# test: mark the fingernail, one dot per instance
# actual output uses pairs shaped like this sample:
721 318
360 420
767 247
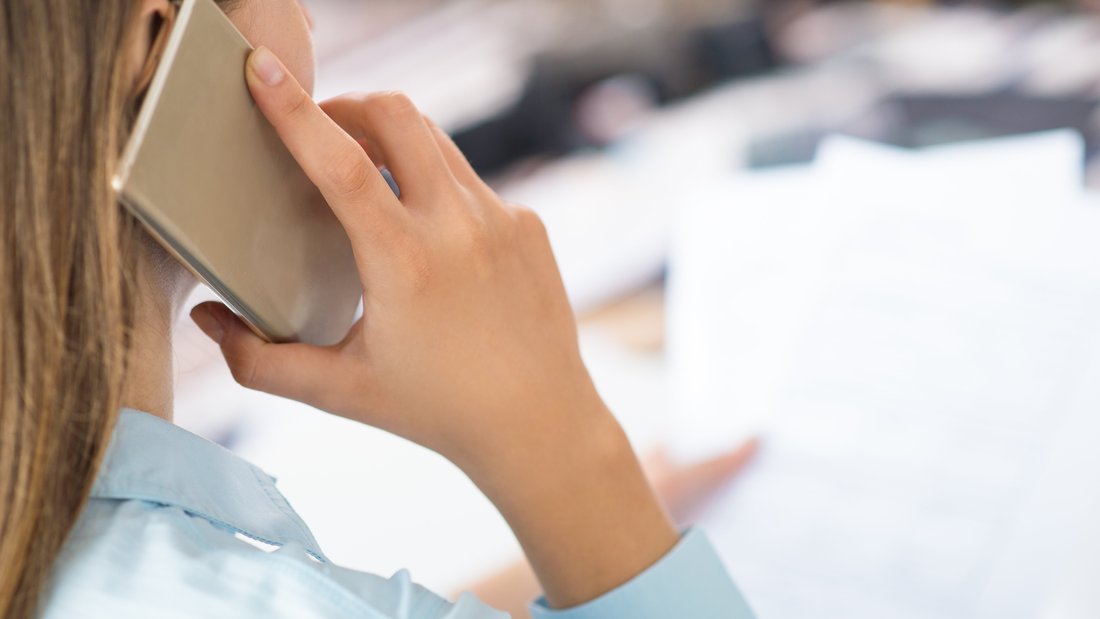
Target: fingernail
209 324
267 66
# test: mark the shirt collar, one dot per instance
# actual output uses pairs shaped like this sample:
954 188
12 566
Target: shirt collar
150 459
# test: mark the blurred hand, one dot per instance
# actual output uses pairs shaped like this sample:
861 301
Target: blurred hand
686 489
468 345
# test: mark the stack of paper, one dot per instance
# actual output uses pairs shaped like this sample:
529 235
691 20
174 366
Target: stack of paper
916 338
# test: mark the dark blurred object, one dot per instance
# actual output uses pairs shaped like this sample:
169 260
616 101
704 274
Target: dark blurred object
737 49
915 121
932 120
672 65
576 87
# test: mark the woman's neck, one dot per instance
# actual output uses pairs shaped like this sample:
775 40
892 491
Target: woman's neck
163 289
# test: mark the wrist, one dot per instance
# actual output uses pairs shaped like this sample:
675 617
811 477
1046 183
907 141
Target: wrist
526 436
547 459
579 504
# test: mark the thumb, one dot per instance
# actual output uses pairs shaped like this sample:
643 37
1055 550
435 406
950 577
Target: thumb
297 371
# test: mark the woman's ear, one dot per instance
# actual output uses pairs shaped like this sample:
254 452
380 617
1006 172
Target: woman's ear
153 18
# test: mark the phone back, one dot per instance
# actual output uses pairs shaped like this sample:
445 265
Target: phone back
208 176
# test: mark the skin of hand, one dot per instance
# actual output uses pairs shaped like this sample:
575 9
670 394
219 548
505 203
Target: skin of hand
468 345
683 489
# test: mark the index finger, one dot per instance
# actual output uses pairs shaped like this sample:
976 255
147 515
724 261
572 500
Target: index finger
353 186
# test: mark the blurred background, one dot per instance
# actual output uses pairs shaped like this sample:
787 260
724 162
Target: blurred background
684 155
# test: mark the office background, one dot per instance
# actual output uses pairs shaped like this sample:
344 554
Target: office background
613 119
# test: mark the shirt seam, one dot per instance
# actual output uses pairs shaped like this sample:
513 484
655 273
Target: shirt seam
183 506
279 502
322 584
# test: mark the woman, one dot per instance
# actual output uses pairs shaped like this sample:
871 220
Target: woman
468 347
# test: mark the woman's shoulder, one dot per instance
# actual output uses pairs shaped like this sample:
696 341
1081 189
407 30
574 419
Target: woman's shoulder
140 559
132 558
177 526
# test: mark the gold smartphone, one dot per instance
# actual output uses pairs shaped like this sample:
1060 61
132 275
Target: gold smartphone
210 179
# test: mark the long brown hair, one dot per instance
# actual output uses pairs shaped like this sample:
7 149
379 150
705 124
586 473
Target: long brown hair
68 265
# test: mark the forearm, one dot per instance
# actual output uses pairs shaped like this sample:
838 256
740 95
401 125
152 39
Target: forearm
581 508
680 489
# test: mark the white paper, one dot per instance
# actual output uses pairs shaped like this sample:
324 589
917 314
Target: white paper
912 336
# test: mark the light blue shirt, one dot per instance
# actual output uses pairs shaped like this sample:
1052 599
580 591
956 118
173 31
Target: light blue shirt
180 527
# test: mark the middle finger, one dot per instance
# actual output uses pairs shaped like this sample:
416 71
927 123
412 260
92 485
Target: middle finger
400 137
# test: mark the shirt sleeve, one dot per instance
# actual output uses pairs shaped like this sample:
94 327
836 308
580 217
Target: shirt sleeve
690 581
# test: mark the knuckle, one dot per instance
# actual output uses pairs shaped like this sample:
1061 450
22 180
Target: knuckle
477 245
348 173
340 100
245 368
297 103
480 245
393 105
528 220
473 234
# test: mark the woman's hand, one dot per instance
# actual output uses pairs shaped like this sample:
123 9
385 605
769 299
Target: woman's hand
468 344
468 339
